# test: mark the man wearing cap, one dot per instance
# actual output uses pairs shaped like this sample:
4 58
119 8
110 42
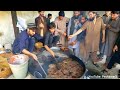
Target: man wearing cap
25 41
60 23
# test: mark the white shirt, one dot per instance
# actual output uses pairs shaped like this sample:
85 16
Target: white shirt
21 24
74 38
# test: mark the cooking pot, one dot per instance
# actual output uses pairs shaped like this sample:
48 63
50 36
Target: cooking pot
40 71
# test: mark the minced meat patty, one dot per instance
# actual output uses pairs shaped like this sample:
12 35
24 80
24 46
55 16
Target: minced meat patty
68 69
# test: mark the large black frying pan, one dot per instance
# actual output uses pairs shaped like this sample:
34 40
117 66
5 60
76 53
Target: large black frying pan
36 70
79 61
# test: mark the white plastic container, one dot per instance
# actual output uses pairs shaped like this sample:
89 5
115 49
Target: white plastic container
20 70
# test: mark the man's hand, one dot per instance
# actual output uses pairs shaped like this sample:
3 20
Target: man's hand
70 43
103 39
41 25
115 48
73 43
29 54
68 39
49 50
64 34
105 25
53 54
108 26
59 31
70 36
34 56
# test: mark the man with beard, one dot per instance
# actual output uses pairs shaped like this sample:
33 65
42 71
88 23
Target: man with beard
73 26
93 27
41 23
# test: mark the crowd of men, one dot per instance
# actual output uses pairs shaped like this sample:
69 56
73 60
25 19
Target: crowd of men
94 36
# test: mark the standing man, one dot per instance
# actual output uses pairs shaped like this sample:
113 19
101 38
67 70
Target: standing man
81 39
25 41
48 19
93 27
103 52
41 23
73 26
116 55
106 17
60 23
113 28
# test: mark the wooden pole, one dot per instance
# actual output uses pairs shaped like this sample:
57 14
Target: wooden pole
14 21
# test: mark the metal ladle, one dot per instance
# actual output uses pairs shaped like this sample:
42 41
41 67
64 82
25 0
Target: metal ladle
42 67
